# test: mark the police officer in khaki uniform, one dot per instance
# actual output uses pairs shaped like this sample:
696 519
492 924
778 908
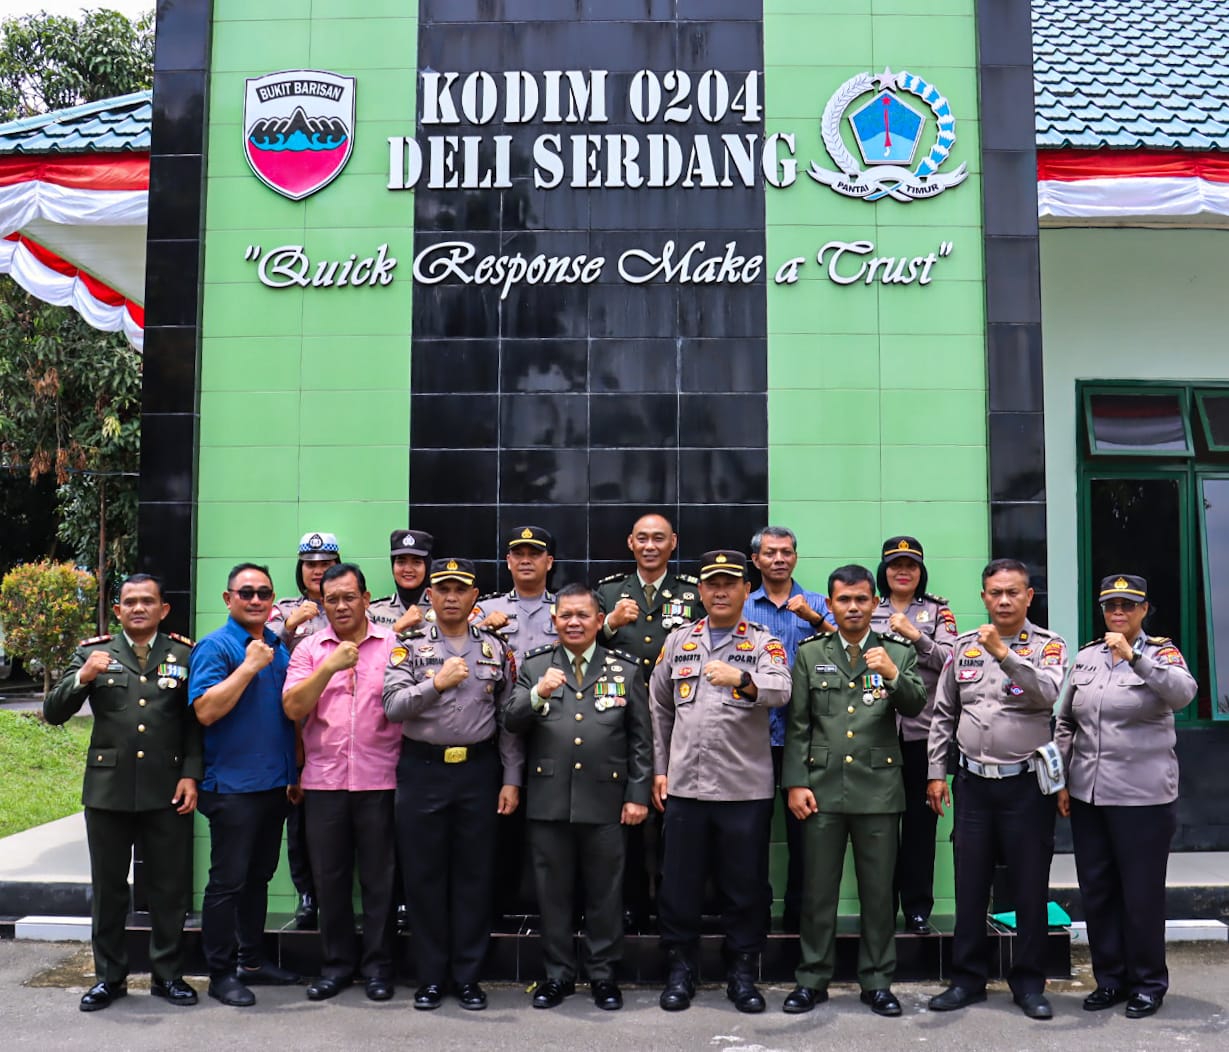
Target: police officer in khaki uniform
842 767
141 773
907 611
1116 736
408 606
589 760
524 616
446 684
709 697
995 697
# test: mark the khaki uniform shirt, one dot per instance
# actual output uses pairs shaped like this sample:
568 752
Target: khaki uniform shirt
998 712
712 742
931 616
387 610
283 609
1116 724
530 621
466 714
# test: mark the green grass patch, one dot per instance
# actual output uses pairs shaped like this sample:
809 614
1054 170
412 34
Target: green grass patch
40 769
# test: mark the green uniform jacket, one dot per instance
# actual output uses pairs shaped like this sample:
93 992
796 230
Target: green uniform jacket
677 601
146 737
590 750
840 738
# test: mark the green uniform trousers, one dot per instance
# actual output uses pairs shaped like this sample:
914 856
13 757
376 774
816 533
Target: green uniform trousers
874 854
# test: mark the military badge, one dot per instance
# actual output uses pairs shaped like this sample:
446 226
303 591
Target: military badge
397 655
684 691
775 650
923 616
1170 655
1052 653
745 644
689 645
487 652
972 652
967 675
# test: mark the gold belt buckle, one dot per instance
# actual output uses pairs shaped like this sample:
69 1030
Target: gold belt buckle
456 754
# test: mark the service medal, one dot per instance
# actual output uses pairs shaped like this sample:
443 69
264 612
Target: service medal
868 698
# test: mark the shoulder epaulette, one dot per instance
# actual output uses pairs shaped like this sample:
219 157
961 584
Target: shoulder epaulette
1159 641
1092 642
612 578
757 624
935 598
95 639
545 649
686 577
417 632
490 595
624 655
382 599
817 635
972 633
896 638
182 639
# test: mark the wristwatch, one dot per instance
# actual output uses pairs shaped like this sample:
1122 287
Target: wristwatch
744 681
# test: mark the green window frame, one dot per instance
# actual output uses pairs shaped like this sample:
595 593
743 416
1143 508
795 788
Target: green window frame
1201 399
1124 391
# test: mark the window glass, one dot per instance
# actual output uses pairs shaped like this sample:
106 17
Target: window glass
1216 552
1214 409
1124 423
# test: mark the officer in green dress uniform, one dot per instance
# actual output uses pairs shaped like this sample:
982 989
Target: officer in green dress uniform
140 781
842 767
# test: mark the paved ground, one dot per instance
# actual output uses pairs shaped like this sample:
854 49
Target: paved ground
40 984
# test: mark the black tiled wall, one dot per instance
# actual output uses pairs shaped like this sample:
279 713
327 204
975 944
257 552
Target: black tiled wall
579 408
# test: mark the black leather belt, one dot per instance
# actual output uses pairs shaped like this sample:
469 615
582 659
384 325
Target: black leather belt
446 753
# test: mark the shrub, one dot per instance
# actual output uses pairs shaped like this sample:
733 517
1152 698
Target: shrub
47 607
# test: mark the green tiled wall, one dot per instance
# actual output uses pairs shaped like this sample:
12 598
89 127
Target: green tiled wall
877 394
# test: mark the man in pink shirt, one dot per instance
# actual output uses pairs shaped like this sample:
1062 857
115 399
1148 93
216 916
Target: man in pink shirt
334 685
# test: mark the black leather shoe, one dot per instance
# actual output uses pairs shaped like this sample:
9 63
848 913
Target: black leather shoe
174 990
680 983
802 999
1035 1006
740 983
230 991
267 974
428 996
1141 1005
325 987
955 997
882 1002
102 994
471 996
1104 997
379 989
551 992
606 995
306 916
916 924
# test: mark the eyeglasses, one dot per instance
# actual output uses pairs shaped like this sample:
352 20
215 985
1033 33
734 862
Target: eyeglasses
264 594
1119 604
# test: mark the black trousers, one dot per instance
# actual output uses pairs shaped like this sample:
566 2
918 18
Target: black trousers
915 861
1121 854
1008 818
245 843
343 829
297 856
795 872
166 839
561 851
446 828
729 841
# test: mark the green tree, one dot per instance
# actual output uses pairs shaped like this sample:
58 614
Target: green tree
50 607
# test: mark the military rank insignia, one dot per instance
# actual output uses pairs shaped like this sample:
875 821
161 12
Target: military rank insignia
689 645
744 644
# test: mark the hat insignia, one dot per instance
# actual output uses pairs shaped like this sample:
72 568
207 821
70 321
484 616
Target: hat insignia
903 546
315 541
1121 583
452 564
408 539
722 559
527 533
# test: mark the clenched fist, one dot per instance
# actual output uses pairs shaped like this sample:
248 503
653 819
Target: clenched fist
552 679
625 612
877 660
96 663
451 672
259 655
344 657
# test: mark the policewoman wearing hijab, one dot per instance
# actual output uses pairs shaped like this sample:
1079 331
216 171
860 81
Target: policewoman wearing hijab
1115 732
907 611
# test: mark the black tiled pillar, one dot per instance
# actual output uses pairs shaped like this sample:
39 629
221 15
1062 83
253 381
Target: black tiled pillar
1013 290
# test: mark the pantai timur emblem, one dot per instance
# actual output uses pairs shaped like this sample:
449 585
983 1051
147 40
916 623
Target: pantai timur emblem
888 131
298 129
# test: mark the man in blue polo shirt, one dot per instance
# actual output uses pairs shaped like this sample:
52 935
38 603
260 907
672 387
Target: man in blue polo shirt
792 614
235 687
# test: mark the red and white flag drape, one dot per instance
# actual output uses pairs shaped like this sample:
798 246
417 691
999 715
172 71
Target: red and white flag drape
101 190
1110 184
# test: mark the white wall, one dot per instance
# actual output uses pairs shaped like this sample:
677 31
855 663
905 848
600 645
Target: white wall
1119 305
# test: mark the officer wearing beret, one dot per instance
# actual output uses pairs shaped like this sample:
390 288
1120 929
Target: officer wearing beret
640 608
709 697
408 606
447 683
907 611
589 757
842 767
524 615
995 697
141 772
1116 736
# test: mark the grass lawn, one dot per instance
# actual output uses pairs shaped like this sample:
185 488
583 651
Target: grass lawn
40 769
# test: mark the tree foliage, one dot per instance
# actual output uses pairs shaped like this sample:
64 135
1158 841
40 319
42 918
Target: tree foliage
50 62
49 607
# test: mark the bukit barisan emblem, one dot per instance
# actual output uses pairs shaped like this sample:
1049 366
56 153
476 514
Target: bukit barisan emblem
887 130
298 129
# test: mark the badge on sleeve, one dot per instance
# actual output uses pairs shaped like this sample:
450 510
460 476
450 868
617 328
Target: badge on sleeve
775 650
1170 655
397 655
1052 653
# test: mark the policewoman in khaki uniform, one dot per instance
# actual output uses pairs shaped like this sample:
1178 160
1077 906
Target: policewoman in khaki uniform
709 698
907 611
842 767
1116 735
995 698
584 713
446 684
141 772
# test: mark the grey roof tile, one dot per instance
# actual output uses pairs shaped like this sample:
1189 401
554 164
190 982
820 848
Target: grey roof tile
110 126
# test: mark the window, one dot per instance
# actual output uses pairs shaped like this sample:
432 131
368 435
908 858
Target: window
1142 424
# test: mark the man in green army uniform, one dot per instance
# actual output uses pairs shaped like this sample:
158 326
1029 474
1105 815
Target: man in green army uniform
584 713
842 768
140 781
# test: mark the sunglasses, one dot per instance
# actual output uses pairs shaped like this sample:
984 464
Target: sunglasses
1119 604
264 594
